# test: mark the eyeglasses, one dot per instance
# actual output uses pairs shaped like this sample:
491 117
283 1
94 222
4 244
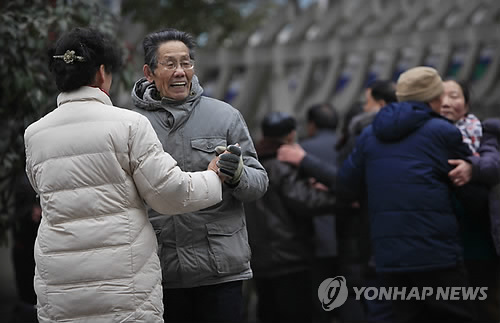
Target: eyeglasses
172 65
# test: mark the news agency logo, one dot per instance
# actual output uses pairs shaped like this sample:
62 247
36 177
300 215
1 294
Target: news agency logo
333 292
421 294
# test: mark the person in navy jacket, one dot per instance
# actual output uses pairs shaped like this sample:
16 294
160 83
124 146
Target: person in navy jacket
401 163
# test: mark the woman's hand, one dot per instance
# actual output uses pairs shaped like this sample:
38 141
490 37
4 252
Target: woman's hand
462 173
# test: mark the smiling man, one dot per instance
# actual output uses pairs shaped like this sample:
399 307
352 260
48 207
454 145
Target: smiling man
204 255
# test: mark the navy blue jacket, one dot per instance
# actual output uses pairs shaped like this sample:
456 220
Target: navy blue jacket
401 160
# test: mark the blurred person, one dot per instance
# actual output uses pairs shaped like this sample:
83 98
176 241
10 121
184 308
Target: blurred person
355 257
353 111
320 141
481 258
205 256
353 215
491 140
281 230
401 162
93 166
378 94
25 222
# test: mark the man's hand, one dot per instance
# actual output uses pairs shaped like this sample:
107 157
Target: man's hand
231 163
317 185
462 173
292 154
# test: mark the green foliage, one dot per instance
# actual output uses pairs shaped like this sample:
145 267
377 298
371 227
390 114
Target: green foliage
194 16
28 91
220 17
29 27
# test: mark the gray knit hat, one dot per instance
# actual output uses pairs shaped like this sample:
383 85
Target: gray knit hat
419 84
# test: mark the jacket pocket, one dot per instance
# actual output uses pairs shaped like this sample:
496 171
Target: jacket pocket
203 152
228 242
207 144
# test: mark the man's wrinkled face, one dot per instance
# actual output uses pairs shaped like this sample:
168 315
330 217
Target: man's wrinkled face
171 83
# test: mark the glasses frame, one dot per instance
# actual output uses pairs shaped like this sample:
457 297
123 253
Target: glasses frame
176 65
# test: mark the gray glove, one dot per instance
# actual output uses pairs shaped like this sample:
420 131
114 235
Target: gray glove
231 164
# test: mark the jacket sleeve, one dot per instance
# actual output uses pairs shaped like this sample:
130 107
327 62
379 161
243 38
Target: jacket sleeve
29 163
351 175
457 149
323 172
162 184
300 196
486 166
471 193
253 183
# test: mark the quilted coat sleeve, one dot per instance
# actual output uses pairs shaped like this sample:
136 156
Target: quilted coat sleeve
28 170
486 166
351 175
162 184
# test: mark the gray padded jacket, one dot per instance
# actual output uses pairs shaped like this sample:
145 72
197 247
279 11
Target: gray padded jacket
209 246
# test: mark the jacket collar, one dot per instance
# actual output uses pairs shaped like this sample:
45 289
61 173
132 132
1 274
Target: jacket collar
146 96
84 93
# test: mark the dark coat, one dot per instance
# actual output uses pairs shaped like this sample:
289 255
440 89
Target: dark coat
280 223
402 161
322 145
486 169
486 166
477 219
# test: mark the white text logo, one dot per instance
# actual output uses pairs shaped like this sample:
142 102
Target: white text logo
414 293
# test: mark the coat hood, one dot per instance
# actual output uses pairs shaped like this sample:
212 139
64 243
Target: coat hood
398 120
145 95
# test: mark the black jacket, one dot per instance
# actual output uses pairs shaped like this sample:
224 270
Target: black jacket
280 223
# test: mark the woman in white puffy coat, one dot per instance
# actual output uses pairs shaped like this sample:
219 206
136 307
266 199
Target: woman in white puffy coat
94 166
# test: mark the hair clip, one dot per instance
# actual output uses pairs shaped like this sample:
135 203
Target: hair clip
69 57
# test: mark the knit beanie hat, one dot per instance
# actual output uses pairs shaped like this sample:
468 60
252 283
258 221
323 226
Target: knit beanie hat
419 84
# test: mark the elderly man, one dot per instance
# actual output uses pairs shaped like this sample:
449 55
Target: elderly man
401 162
204 255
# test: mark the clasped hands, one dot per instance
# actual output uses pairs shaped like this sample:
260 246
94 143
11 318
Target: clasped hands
228 163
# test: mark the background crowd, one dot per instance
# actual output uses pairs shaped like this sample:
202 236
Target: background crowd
402 191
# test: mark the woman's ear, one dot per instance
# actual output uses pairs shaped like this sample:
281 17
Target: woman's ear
100 76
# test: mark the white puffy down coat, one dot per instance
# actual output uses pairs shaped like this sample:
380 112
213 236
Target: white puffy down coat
93 166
